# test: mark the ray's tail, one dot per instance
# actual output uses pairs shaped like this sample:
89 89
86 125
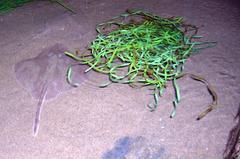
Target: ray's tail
39 109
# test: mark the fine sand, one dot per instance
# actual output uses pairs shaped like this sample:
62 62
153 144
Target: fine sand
86 122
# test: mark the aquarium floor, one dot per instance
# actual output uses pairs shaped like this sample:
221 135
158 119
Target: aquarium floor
86 122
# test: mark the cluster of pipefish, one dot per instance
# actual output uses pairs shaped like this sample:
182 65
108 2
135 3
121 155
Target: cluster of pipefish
141 49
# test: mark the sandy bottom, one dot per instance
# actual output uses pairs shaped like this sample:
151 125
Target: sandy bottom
114 123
